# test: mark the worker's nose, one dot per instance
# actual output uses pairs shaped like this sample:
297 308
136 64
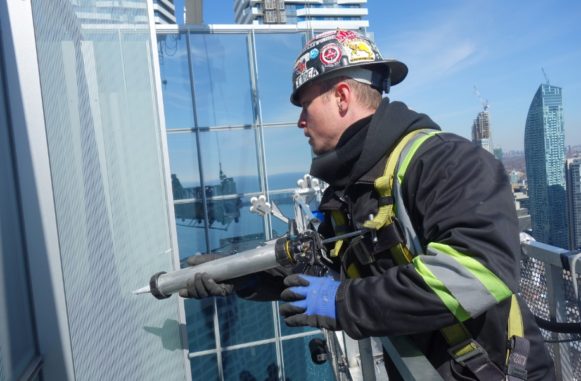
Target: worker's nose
301 123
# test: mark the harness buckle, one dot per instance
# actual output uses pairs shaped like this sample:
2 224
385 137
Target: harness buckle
467 351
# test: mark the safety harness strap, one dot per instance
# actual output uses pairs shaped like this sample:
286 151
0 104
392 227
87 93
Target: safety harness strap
462 347
518 345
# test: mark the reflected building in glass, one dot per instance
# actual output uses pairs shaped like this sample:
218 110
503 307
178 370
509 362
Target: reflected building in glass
329 14
573 172
232 135
545 166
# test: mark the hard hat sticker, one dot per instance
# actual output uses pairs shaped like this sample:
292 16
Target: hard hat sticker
305 76
314 53
301 64
359 51
330 54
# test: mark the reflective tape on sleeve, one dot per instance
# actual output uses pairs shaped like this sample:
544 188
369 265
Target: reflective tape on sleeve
462 278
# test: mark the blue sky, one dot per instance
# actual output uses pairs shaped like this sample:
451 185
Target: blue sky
451 46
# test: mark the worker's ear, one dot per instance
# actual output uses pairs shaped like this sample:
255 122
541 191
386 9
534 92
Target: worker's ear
343 96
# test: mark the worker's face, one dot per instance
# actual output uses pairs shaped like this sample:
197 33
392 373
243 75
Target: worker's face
318 119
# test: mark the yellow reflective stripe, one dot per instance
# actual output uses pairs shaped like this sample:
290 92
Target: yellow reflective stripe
515 322
340 227
410 154
493 284
384 184
440 290
353 271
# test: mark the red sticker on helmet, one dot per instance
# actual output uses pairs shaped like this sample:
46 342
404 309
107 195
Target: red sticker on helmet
330 54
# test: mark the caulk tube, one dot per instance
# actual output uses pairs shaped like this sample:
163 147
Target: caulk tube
162 284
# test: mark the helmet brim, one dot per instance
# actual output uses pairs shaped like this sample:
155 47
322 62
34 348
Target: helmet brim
398 71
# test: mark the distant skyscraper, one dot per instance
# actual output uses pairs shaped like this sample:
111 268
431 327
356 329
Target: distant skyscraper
164 11
545 165
481 131
328 14
573 171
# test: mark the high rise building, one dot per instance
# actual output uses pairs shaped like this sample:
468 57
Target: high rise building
164 11
573 174
481 131
127 12
545 166
328 14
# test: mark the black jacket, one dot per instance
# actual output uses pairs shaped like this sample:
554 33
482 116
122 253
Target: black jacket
455 193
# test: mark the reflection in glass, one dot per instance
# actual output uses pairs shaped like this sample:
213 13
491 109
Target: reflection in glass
199 315
251 364
204 368
175 80
288 157
221 79
230 153
276 54
242 321
298 364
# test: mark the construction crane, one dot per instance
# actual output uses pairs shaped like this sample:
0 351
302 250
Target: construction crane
545 75
483 102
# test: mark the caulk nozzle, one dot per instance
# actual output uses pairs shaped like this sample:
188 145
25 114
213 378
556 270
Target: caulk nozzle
143 290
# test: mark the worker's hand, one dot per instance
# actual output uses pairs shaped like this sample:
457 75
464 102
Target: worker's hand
201 285
312 301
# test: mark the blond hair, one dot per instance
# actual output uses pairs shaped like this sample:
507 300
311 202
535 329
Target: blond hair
365 94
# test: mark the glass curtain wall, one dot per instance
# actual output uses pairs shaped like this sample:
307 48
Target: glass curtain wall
18 344
107 171
232 135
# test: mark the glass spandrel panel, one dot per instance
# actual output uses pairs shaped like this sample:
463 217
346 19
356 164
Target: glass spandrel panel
250 364
276 55
243 321
221 79
298 364
107 171
175 80
204 368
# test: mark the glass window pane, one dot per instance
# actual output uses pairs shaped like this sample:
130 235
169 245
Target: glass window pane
230 153
298 364
221 79
288 156
200 319
242 321
285 330
250 364
276 54
175 80
204 368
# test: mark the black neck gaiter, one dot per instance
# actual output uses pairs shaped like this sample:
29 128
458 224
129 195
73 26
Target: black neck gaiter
334 167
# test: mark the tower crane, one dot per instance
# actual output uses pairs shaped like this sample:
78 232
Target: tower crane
483 102
545 75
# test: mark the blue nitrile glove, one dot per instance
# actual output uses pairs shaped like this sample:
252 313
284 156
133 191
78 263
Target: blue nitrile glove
312 301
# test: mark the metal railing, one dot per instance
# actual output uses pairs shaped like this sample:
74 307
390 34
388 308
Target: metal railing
548 282
549 288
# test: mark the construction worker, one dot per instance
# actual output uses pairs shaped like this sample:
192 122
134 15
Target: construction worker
439 259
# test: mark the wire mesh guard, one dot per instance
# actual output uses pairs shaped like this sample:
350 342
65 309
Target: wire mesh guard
534 290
